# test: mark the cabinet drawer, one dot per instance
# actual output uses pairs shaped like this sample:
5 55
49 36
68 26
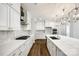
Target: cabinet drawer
51 47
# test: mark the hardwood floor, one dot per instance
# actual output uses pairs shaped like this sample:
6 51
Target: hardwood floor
39 48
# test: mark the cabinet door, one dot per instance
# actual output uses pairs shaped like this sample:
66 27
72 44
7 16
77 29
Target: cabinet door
15 6
17 52
14 20
60 53
3 16
51 47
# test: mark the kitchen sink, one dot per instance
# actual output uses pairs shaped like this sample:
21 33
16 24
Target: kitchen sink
22 38
54 38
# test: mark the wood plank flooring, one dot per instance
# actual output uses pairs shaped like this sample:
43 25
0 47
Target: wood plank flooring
39 48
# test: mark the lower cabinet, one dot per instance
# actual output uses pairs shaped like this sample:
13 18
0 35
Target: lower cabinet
60 53
53 49
15 53
14 22
19 51
24 49
9 16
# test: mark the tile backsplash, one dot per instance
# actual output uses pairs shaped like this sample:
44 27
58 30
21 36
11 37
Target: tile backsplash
4 36
19 33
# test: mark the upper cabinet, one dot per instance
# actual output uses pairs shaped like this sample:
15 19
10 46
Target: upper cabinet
9 16
14 20
15 6
4 17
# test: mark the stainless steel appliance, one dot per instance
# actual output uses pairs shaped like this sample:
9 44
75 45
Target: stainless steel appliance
54 31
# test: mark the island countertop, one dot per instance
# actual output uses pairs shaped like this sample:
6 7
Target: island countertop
10 45
69 46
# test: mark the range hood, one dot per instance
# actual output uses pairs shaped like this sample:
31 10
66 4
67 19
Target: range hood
23 22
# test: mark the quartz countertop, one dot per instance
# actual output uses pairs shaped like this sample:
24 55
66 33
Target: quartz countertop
69 46
9 46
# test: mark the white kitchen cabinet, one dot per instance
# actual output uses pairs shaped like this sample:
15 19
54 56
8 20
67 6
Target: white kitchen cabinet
18 51
27 46
4 16
60 53
23 49
15 6
15 53
14 20
9 17
51 47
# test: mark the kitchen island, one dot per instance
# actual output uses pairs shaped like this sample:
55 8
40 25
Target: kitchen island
63 46
16 47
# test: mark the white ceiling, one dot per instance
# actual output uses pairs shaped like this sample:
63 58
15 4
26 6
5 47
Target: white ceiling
48 10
